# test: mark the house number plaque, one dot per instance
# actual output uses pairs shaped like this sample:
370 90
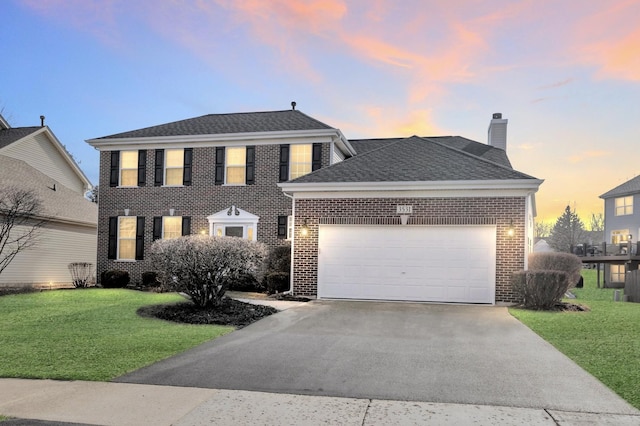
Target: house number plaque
404 209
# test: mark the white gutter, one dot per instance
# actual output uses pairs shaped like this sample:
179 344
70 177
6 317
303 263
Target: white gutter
293 237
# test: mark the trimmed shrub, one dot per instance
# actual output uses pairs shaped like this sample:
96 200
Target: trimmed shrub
150 279
204 267
565 262
114 279
278 269
246 282
276 282
540 290
81 274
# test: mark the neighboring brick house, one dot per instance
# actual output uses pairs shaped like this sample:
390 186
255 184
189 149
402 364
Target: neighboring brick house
434 219
214 174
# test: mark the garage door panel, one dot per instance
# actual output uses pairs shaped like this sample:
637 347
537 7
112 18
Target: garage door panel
443 264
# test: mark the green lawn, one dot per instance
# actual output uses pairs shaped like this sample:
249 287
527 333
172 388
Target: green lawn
89 334
605 341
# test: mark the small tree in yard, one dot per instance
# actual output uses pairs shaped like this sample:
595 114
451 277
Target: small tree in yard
20 222
203 267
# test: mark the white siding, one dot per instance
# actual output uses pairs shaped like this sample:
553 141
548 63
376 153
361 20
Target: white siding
336 155
45 263
39 152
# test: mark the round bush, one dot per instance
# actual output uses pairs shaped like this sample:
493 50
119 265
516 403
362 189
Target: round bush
114 279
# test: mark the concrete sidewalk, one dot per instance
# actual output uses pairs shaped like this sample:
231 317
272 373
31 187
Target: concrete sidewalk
98 403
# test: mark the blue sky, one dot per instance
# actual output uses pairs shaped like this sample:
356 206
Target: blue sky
565 73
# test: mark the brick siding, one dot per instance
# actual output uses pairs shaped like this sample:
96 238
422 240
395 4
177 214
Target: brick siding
199 200
510 252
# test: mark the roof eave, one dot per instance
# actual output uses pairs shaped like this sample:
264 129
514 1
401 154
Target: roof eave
326 135
529 185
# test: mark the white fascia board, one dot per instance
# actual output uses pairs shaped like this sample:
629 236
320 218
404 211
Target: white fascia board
509 188
344 145
224 139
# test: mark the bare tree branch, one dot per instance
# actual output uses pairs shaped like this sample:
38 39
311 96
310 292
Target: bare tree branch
20 223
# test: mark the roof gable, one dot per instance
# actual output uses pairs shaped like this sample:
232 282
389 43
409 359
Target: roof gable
631 186
213 124
413 159
13 134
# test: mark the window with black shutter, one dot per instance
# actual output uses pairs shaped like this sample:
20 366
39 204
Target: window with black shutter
219 165
316 157
188 161
140 238
159 168
186 225
284 163
157 227
250 165
114 175
142 167
113 238
282 226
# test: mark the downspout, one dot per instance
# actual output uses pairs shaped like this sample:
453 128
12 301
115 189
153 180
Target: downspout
293 234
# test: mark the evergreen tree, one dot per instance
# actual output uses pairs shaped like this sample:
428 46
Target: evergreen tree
567 232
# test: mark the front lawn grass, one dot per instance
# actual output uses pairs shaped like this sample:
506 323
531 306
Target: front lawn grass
89 334
604 341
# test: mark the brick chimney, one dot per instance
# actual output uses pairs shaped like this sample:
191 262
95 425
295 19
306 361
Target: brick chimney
498 132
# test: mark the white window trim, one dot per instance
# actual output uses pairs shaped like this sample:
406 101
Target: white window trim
226 166
120 169
310 162
618 274
166 167
624 206
118 238
163 219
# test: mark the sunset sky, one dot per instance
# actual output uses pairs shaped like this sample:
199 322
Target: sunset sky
566 73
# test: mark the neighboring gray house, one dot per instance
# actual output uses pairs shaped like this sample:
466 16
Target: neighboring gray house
32 158
621 222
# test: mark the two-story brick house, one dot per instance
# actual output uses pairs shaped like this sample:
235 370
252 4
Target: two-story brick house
437 219
214 174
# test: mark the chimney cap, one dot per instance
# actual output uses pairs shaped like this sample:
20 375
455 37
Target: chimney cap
497 116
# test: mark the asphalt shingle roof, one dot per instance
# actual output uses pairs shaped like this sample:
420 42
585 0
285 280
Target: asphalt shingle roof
248 122
9 136
63 203
629 187
478 149
413 159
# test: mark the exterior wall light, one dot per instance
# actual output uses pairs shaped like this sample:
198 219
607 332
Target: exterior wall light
511 230
304 229
629 237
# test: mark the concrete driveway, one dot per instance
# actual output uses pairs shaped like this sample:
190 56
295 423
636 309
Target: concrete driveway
397 351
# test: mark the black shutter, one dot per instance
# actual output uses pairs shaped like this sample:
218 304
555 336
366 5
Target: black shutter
140 238
282 226
159 174
142 167
316 157
113 238
114 177
219 165
186 225
157 227
188 160
250 177
284 163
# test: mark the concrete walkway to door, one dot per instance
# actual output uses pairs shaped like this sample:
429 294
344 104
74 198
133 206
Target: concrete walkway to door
392 351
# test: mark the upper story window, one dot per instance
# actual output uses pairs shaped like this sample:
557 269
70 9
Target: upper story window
128 168
173 167
174 163
235 165
624 206
299 159
126 238
168 227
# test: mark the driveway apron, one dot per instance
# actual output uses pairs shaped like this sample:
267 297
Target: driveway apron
397 351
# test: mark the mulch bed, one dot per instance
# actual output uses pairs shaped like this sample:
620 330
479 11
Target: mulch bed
231 312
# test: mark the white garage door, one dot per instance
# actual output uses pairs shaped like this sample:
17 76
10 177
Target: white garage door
425 263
